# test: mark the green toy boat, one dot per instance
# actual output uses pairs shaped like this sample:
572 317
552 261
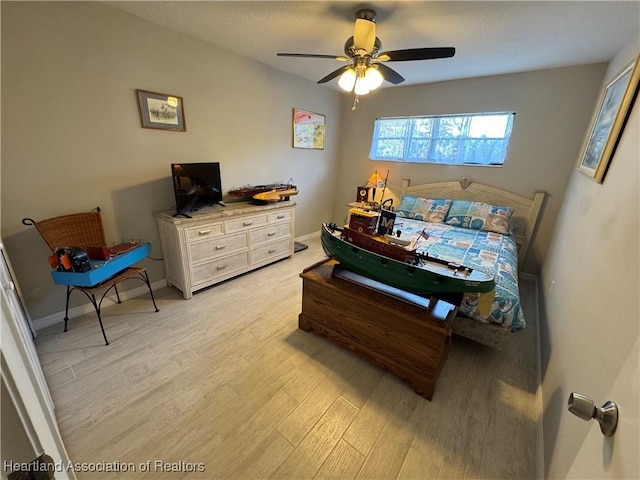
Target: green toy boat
378 258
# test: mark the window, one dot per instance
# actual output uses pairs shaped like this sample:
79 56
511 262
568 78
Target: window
475 139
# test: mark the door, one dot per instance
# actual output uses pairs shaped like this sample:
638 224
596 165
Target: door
616 456
24 385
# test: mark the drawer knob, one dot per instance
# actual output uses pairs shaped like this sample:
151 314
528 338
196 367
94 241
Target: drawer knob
204 232
246 224
272 250
221 267
220 247
280 217
271 234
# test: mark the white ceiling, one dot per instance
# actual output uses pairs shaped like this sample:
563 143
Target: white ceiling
490 37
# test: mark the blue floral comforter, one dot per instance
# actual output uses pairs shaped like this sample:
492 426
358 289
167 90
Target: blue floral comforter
489 252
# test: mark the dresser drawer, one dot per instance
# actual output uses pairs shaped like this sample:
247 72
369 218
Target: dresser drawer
270 233
211 270
280 216
215 247
245 223
276 249
203 231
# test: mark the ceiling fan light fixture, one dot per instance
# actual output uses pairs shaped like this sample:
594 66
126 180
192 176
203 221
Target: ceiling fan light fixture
361 86
373 78
347 80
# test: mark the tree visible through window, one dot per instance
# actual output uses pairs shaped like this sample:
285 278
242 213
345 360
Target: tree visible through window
474 139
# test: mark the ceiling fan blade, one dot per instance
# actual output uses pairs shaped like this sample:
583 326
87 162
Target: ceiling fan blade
389 74
340 58
364 35
334 74
416 54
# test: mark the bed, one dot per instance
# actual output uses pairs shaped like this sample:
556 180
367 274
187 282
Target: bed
482 227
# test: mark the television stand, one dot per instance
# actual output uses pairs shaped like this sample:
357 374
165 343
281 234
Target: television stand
216 244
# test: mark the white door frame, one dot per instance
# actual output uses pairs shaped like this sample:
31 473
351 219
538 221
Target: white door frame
22 376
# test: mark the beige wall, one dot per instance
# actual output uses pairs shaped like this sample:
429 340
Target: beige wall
590 318
552 109
71 135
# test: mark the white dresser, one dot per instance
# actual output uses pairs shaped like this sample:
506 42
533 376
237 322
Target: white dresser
221 242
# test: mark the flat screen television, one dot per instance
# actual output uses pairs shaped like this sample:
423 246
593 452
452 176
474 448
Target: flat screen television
196 186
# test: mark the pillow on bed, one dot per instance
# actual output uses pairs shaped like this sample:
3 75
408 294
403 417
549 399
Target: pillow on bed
432 210
479 216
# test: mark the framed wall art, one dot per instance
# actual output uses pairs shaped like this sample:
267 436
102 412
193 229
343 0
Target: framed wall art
608 122
308 129
161 111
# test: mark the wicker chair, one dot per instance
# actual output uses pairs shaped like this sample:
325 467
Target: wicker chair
85 230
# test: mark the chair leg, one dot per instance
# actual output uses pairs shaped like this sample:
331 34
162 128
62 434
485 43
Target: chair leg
97 307
146 280
66 308
143 275
94 302
115 287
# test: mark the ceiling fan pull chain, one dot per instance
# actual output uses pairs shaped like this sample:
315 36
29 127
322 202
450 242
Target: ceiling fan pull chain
355 102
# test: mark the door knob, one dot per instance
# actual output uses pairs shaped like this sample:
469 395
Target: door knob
583 407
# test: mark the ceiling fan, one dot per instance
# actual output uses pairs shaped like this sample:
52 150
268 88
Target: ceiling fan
367 70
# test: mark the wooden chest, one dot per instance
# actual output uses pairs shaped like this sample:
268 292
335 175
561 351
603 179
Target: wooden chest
407 334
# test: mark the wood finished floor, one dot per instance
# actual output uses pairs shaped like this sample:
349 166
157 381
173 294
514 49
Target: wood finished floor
227 380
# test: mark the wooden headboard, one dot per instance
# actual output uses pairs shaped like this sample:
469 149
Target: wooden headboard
526 210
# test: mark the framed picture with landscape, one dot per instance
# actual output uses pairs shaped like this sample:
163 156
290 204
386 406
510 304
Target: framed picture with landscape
608 122
161 111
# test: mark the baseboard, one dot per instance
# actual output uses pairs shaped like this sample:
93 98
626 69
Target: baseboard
308 236
54 318
539 400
